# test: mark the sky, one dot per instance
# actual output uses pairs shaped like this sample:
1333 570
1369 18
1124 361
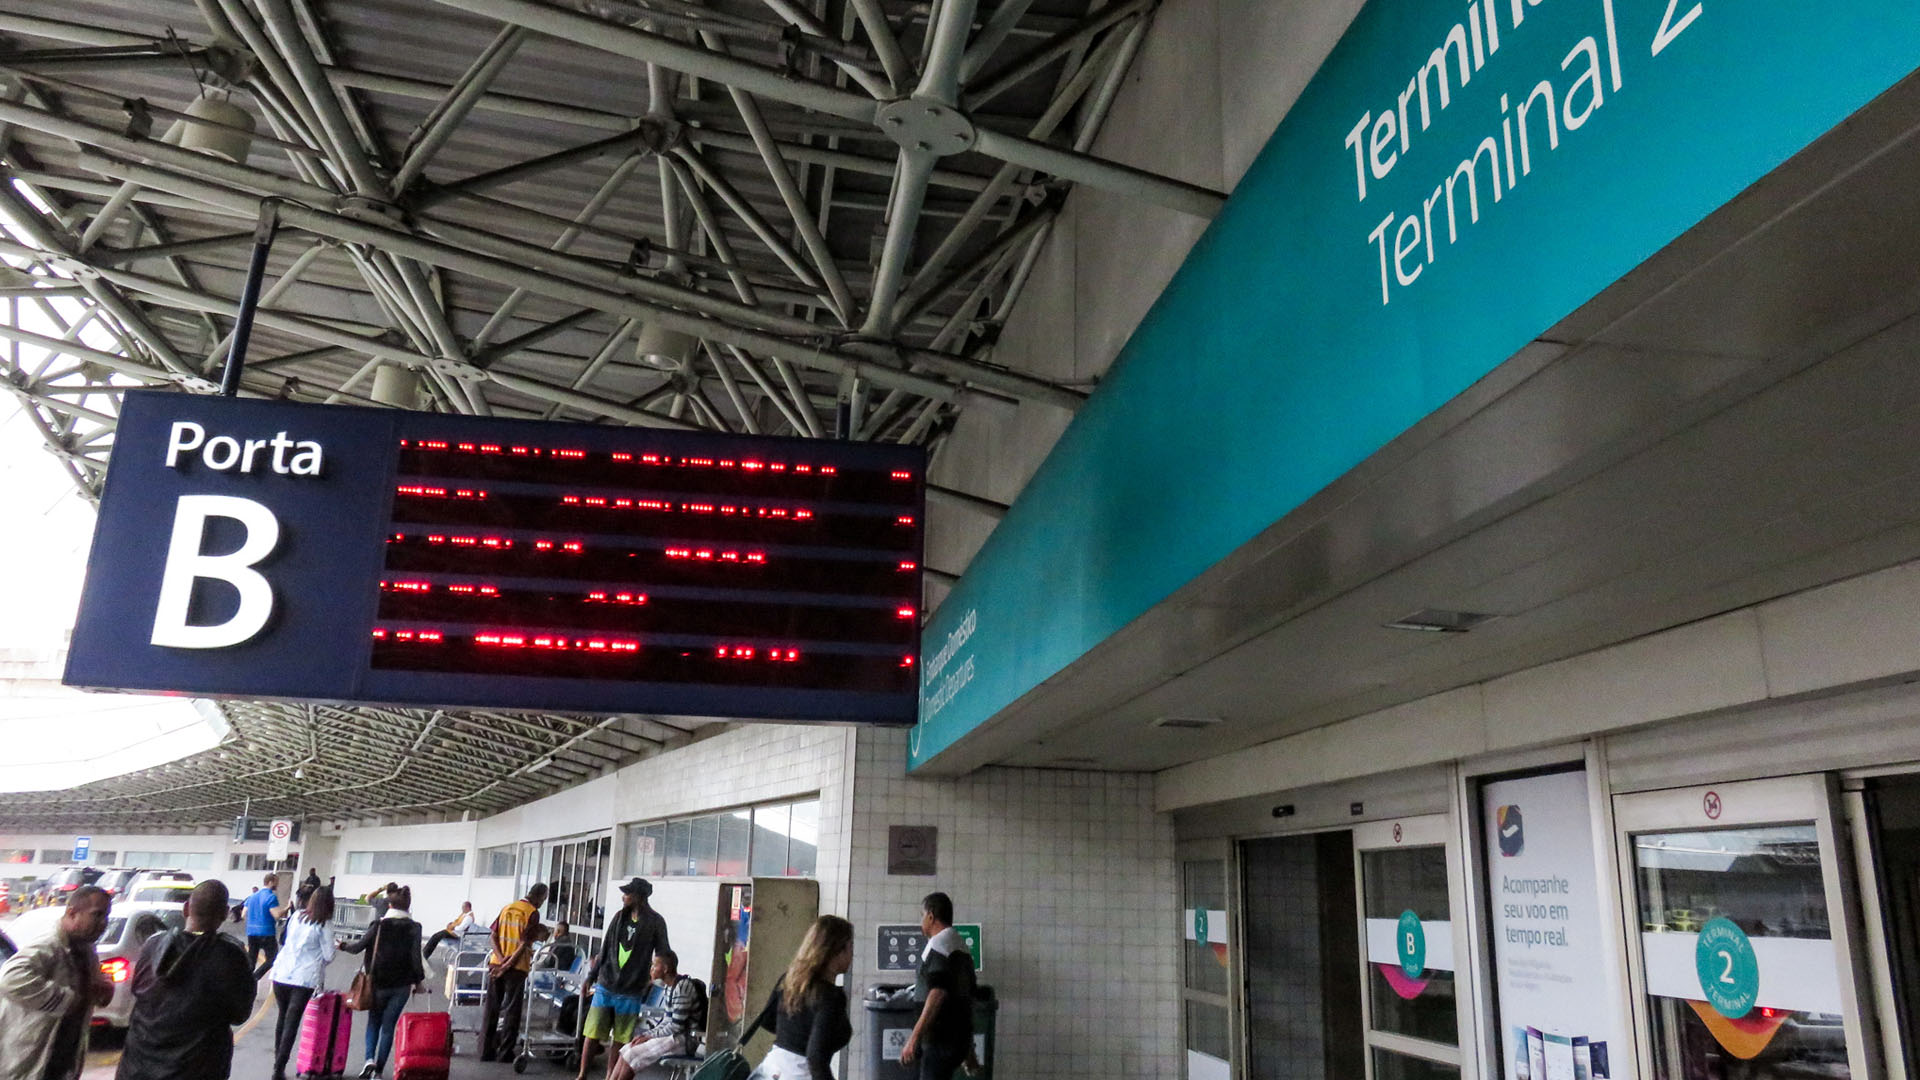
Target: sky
50 736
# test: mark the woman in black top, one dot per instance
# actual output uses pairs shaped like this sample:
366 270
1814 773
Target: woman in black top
807 1012
396 969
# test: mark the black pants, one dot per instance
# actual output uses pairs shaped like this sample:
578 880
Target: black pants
500 1020
262 943
941 1062
293 1006
434 942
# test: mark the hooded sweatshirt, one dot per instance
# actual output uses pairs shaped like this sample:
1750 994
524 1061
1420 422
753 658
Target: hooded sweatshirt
626 953
188 991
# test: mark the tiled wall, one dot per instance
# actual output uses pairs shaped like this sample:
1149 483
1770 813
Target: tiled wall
1071 875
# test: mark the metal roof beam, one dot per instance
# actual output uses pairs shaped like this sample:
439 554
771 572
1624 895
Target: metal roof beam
655 49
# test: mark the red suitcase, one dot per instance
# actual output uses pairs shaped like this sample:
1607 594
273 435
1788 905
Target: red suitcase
423 1046
326 1029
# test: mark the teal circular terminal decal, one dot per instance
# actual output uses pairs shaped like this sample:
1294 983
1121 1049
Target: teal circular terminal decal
1729 970
1200 925
1411 942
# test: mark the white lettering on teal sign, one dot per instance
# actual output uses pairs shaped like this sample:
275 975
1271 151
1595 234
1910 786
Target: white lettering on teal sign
1455 180
1532 122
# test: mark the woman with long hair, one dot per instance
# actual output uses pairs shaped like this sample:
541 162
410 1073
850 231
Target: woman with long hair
808 1012
396 967
299 971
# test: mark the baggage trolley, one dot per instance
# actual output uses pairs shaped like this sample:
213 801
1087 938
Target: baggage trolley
548 1028
467 980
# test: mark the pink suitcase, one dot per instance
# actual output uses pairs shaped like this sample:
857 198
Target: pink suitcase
326 1029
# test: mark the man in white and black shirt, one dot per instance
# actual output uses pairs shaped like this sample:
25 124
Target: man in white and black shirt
942 1038
675 1032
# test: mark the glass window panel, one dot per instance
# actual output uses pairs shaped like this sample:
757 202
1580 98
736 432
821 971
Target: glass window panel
102 858
55 855
679 843
1204 890
803 844
1388 1065
736 831
647 850
770 825
1207 1030
16 855
1768 882
1395 882
704 853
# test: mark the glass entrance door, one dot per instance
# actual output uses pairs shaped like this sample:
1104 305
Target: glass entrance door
1407 909
1207 961
1743 965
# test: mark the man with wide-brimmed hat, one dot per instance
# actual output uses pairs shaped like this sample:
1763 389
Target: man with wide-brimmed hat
622 973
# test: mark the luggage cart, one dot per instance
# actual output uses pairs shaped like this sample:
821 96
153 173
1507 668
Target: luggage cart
548 1028
467 979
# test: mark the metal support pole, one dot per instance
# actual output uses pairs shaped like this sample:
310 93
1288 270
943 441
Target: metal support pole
250 296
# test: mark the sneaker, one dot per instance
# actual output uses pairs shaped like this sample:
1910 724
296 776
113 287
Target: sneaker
371 1070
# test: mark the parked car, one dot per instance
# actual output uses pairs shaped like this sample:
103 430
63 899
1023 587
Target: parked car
115 879
160 892
129 925
61 883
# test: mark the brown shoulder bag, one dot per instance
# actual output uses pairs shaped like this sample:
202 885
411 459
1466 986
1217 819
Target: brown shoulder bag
359 995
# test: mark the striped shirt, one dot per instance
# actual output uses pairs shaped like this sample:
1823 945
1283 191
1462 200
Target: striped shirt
511 924
681 1002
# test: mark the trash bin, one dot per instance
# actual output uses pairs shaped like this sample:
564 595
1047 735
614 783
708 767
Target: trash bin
891 1012
985 1007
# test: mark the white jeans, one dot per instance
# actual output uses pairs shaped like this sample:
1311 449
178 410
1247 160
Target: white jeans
782 1065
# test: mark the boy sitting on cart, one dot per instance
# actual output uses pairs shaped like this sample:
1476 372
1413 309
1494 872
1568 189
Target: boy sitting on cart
675 1030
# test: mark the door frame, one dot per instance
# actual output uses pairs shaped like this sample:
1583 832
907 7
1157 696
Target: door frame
1775 801
1421 831
1227 852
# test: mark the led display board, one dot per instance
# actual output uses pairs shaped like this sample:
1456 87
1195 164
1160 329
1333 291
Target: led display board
266 550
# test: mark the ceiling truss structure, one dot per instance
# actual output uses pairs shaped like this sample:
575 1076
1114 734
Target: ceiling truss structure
796 217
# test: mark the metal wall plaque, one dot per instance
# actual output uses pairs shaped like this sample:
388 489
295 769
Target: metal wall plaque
913 850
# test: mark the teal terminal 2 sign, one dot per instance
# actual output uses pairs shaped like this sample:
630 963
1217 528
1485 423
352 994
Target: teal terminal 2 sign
1456 179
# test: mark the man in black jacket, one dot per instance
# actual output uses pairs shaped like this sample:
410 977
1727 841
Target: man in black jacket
190 986
622 973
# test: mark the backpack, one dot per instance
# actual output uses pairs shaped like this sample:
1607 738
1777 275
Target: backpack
697 1023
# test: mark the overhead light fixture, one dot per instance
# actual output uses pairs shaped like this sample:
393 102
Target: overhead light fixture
662 349
540 764
1186 723
225 129
299 773
1440 621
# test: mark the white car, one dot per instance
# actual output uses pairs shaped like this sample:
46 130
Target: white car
129 925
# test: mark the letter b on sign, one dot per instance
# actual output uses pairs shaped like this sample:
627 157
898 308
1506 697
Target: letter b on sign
185 565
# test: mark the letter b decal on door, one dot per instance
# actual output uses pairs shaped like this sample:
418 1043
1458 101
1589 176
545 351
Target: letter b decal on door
185 565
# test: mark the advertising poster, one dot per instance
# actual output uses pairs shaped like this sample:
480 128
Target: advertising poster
1559 990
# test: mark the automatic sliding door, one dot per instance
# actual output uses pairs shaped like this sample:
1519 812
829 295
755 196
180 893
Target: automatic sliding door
1411 1002
1744 966
1207 962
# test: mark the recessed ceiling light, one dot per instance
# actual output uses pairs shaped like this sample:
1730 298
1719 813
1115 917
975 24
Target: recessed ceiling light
1186 723
1440 621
